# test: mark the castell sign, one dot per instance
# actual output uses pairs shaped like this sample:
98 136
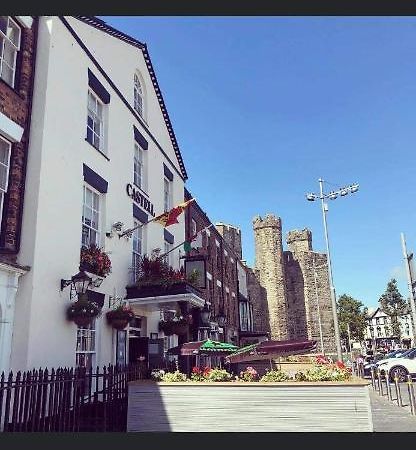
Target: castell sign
140 199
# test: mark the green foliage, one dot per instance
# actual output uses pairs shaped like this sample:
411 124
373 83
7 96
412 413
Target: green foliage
351 311
274 376
172 377
84 308
324 372
394 305
217 374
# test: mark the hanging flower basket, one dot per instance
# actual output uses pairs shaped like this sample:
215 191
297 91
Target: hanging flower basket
120 317
82 312
93 259
179 326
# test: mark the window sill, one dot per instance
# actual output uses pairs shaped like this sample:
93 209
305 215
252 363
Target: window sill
99 151
141 190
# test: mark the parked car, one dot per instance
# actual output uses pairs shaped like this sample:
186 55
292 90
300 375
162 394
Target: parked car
401 366
380 358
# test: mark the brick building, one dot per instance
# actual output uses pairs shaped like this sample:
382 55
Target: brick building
17 62
220 260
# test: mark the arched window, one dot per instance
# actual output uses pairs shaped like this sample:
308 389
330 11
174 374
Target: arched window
138 96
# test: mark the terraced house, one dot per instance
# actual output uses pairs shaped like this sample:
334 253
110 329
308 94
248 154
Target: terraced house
17 58
103 159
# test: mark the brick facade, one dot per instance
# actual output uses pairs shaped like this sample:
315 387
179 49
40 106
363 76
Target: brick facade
221 264
15 103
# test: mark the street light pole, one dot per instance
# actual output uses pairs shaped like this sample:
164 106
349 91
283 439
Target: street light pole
410 284
322 196
331 281
318 308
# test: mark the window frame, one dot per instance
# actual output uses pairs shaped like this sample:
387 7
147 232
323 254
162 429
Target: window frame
102 146
137 255
91 330
98 232
167 205
138 92
4 191
194 227
16 49
139 161
167 247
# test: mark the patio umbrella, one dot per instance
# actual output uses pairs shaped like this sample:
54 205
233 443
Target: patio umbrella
271 349
206 347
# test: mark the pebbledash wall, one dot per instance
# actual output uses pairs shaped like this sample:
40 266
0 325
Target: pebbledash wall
18 34
75 55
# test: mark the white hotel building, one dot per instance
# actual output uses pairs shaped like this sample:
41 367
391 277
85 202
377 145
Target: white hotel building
99 130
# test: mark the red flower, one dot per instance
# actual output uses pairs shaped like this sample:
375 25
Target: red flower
196 370
340 365
207 370
320 359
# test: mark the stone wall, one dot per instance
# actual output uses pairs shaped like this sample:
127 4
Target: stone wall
258 298
295 283
270 270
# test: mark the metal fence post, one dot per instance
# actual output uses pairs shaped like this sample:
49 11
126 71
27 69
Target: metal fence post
411 394
398 393
380 384
388 387
373 379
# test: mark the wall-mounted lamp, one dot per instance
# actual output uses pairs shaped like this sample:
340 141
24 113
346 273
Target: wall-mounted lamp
117 226
79 284
205 314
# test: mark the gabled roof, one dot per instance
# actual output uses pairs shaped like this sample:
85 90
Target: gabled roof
378 310
102 26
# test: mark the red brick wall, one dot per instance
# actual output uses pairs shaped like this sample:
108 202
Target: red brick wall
218 265
15 103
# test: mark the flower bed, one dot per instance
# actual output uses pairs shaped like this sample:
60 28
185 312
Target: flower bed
324 398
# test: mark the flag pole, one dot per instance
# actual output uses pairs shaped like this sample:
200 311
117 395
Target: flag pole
177 246
130 230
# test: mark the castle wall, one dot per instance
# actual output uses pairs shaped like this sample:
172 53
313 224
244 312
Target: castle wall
296 291
270 269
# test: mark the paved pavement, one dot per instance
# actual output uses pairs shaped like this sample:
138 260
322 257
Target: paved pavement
388 416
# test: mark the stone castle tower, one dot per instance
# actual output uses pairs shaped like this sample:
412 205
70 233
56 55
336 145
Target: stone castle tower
296 284
269 269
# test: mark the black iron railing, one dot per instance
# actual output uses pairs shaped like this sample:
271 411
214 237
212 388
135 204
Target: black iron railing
67 399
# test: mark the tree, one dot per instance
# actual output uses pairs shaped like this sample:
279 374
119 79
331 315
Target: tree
353 313
394 305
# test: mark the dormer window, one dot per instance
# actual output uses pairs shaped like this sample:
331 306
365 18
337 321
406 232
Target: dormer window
138 96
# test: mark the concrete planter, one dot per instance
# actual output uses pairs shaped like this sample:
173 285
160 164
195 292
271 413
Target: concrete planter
288 406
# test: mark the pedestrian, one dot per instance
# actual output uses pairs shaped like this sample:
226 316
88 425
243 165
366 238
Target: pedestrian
360 365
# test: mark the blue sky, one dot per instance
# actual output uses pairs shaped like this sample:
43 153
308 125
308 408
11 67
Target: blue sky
264 106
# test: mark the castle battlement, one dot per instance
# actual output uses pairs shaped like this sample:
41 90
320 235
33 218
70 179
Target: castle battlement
269 220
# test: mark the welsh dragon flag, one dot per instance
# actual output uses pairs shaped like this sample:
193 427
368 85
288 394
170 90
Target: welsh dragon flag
194 242
171 217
